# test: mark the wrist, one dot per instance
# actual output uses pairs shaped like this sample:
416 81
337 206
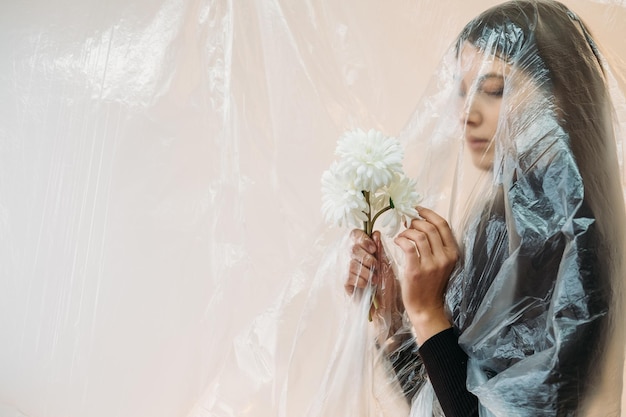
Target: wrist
428 323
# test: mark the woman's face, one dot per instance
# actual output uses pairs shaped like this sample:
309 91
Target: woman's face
481 88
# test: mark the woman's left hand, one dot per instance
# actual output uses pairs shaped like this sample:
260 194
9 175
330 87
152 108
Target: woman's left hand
431 255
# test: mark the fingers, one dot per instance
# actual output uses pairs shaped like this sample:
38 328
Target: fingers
440 224
407 242
359 276
428 242
363 257
426 235
363 261
384 273
369 264
431 234
360 238
380 250
425 242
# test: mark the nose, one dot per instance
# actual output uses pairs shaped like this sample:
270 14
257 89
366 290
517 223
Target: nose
470 114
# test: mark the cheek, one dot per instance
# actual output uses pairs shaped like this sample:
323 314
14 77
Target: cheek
460 105
493 114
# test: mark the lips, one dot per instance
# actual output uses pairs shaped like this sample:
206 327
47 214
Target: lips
477 144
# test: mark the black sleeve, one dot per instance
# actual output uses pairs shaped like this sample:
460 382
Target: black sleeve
446 364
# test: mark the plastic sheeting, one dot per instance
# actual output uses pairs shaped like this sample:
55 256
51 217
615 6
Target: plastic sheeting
159 197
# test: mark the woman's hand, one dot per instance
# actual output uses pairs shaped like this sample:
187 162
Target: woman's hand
369 265
431 255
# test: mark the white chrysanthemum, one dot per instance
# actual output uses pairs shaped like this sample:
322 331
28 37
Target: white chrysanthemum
402 192
342 203
370 158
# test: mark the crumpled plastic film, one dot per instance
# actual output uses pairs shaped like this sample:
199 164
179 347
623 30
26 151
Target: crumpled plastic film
538 295
162 248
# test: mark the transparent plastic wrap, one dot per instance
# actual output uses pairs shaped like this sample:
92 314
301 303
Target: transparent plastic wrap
517 143
163 251
538 293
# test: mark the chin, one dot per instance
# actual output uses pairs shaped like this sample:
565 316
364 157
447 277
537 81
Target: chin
483 163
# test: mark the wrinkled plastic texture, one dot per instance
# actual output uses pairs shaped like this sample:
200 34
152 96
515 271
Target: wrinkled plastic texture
538 295
162 248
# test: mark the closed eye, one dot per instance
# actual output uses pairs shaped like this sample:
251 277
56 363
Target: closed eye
491 84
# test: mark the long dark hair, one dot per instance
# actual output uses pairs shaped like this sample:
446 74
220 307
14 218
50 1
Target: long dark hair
551 45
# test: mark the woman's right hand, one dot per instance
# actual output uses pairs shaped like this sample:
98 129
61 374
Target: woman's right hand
431 255
369 265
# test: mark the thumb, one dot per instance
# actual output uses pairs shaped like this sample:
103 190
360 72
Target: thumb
384 265
380 250
410 250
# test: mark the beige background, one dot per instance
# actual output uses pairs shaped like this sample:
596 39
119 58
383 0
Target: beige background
159 185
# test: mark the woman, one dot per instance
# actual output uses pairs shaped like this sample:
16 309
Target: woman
519 319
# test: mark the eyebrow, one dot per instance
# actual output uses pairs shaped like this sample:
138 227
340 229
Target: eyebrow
489 76
483 78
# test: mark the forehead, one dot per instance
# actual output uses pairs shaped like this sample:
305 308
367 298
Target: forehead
473 62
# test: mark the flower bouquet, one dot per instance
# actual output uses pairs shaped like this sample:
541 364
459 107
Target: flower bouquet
366 181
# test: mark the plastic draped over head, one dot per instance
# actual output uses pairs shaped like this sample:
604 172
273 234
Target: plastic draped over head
538 294
515 144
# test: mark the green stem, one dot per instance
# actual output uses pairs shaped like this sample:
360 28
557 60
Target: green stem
368 225
379 213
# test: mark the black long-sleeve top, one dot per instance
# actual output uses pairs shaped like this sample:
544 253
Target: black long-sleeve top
446 365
